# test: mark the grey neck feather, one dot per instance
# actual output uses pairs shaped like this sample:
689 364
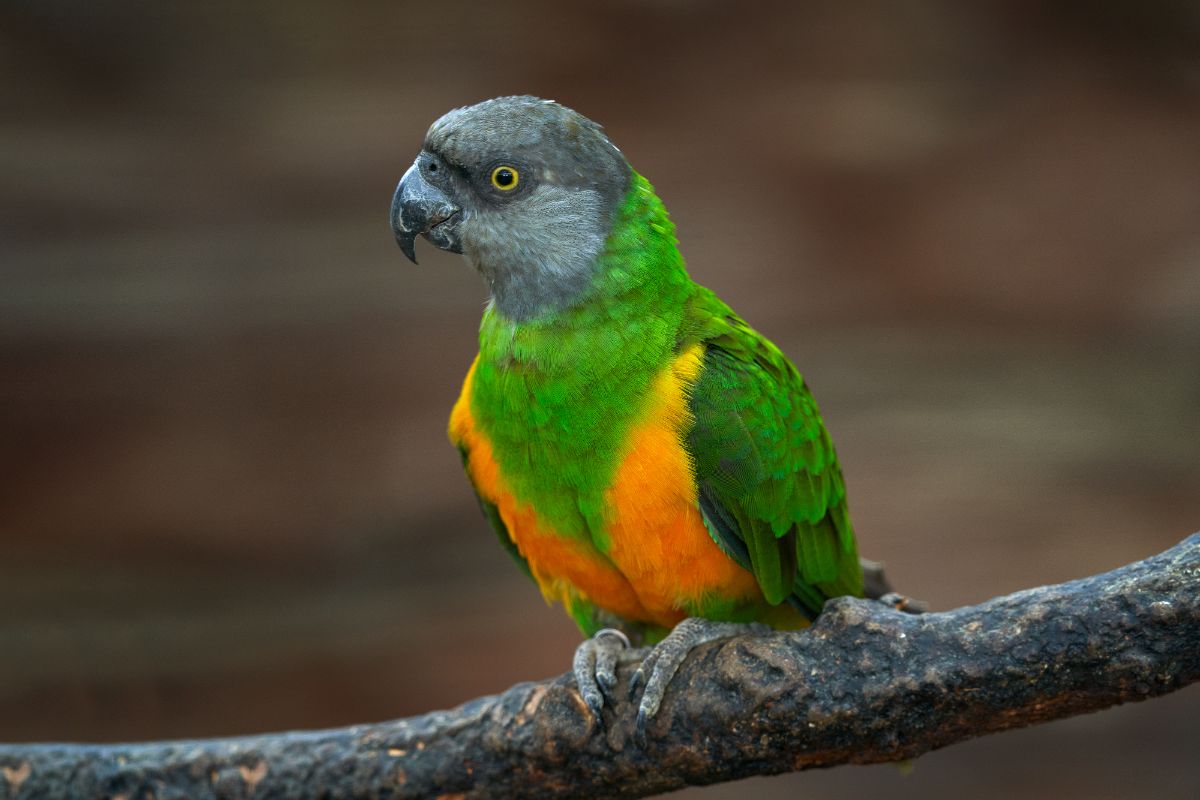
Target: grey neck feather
549 265
538 250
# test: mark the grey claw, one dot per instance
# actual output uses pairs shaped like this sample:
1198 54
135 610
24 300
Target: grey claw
659 667
595 665
584 667
636 681
645 671
639 728
606 656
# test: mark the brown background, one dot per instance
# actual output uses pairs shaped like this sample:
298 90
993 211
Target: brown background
227 503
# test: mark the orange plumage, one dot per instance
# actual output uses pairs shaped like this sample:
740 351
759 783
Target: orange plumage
660 560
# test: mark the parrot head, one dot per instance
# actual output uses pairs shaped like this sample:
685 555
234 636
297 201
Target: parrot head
525 189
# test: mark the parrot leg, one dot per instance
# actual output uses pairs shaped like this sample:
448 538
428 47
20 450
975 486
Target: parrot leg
660 666
595 666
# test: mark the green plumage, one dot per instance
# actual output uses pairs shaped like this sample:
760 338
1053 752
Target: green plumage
558 395
619 416
769 483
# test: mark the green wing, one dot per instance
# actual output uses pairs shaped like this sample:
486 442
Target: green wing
770 488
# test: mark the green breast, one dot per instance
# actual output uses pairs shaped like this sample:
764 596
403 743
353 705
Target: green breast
557 396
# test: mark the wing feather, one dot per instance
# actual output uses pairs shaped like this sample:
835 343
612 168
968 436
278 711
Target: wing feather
770 487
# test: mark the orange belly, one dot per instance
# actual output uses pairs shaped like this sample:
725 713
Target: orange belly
657 537
654 562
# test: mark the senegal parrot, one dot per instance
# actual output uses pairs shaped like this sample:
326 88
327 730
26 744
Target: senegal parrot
649 459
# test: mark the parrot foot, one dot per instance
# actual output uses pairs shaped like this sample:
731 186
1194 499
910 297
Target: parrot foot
660 666
595 666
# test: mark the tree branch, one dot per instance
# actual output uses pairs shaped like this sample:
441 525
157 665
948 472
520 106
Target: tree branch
865 684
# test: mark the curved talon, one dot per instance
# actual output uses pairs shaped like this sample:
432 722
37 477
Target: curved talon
621 637
584 667
606 658
658 668
636 681
645 668
595 666
639 728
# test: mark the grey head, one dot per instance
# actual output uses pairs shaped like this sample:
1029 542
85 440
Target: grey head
525 188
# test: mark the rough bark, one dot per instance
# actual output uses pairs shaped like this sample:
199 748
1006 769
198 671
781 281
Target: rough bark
865 684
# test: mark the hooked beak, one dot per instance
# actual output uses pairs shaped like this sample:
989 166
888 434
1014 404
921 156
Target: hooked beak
420 207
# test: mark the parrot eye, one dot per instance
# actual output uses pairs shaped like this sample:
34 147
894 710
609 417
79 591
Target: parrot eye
505 178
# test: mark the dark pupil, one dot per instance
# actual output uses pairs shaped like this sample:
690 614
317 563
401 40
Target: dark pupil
504 177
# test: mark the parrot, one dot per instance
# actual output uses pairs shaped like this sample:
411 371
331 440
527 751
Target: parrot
656 466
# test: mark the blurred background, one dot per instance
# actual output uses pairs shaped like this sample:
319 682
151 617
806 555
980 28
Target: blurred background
228 504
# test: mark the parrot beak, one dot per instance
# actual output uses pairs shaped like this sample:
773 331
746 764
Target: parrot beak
419 207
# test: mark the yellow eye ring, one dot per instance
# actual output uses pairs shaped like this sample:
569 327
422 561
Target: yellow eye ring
505 178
